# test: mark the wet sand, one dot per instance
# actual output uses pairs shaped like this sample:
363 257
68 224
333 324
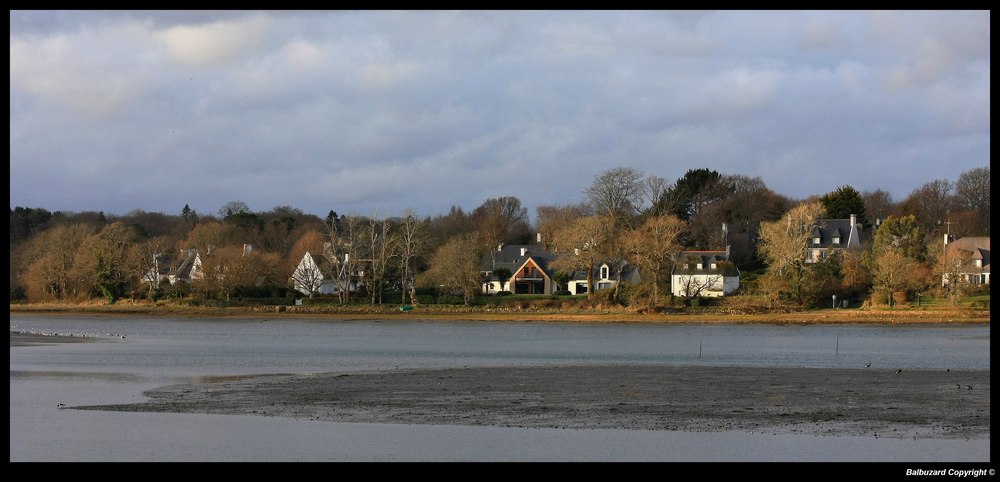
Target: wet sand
838 402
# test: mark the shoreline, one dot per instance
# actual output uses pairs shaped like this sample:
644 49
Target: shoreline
428 313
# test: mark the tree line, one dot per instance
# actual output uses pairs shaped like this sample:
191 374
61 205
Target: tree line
625 216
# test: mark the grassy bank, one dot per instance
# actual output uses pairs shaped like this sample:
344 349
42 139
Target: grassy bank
925 314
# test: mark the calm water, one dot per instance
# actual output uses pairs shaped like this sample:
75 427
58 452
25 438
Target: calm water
158 351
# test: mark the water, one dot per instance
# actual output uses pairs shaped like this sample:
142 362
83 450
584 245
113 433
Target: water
157 351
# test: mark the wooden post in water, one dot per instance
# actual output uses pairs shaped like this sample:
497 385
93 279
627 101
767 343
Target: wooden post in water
699 346
837 351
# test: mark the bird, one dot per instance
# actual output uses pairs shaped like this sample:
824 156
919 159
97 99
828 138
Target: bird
899 370
947 370
969 387
61 405
959 386
868 365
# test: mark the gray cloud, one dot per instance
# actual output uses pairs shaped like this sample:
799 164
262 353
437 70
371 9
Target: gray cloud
382 111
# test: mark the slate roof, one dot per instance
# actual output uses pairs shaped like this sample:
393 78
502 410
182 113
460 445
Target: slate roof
687 264
828 229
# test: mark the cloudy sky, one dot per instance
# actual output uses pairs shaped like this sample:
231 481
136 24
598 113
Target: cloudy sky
374 112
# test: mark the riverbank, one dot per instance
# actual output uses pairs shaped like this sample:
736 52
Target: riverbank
925 315
873 402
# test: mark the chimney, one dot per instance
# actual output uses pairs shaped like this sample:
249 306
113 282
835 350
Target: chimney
854 220
947 239
538 238
247 248
524 250
499 247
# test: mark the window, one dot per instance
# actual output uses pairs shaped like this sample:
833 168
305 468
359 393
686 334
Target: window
816 240
979 263
604 272
714 266
700 266
836 240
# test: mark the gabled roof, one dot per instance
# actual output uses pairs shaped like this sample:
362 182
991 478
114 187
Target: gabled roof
187 257
971 247
828 229
513 257
687 264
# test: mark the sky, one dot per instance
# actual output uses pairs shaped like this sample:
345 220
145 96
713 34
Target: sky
376 112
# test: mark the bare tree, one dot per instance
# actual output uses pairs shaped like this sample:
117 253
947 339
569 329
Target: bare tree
550 219
931 204
147 258
582 245
455 267
501 220
878 204
892 271
411 245
618 193
382 244
51 257
205 237
973 190
653 246
783 244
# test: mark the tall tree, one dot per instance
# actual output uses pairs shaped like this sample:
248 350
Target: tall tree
844 202
932 205
411 245
501 220
50 258
902 234
973 190
617 193
103 259
382 243
697 189
582 245
878 205
783 245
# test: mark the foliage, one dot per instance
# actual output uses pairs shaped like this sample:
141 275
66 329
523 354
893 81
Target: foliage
844 202
902 234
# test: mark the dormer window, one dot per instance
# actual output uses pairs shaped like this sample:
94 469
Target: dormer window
700 267
836 240
816 240
714 266
979 263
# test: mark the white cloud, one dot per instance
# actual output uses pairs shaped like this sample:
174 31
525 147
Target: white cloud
217 43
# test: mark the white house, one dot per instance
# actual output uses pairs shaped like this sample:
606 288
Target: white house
704 273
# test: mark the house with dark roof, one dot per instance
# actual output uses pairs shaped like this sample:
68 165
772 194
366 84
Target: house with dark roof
530 273
704 273
968 259
829 235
